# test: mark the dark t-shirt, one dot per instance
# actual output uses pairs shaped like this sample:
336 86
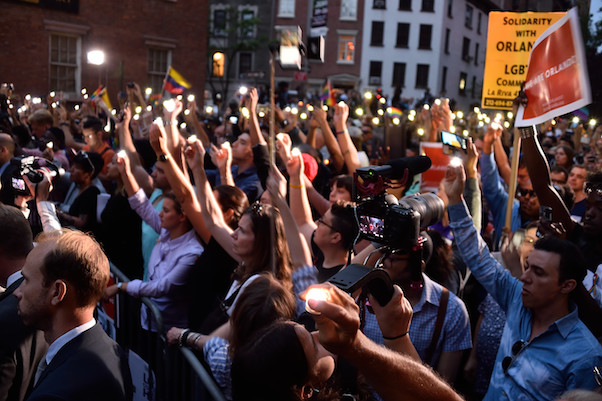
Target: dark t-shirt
120 234
210 280
85 204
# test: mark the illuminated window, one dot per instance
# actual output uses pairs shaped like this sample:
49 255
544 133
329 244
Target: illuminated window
346 48
218 64
462 83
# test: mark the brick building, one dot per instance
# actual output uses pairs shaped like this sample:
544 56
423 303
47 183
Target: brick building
44 44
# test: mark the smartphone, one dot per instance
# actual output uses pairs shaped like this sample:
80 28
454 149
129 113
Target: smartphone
453 140
233 120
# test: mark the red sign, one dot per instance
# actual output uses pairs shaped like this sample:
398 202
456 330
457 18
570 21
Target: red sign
557 82
300 76
430 179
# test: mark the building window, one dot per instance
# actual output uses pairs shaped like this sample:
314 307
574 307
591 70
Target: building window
374 77
424 42
346 48
247 23
468 17
245 62
479 22
447 35
286 9
473 87
399 75
462 84
378 28
349 10
450 7
219 22
476 53
379 4
444 80
65 68
158 62
428 5
403 35
422 76
466 49
405 5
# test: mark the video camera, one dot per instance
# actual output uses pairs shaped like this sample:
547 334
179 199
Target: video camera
384 219
30 167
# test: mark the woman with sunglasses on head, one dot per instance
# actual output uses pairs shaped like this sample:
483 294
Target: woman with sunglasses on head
79 207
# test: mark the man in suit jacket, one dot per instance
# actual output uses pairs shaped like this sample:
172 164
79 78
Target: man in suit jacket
21 348
64 278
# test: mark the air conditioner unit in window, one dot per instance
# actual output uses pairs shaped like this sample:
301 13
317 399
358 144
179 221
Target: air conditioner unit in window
374 81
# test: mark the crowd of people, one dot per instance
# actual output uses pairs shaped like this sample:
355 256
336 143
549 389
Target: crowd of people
231 241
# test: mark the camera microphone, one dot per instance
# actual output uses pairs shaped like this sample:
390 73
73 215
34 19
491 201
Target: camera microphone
414 165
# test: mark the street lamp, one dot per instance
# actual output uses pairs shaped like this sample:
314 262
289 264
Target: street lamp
97 57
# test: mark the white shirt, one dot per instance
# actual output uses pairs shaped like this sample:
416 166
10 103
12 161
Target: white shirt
60 342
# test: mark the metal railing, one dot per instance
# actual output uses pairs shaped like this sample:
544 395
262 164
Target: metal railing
179 374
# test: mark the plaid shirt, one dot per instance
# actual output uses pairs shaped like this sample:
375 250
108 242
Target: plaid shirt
455 333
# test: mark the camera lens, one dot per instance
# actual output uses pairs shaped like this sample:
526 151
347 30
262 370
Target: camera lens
429 206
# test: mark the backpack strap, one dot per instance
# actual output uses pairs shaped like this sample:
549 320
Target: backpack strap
438 325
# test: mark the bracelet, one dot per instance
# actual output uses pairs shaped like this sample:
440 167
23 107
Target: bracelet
340 132
526 132
395 338
295 186
183 337
195 340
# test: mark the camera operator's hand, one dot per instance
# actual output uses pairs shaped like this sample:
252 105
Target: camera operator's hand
338 323
454 183
395 317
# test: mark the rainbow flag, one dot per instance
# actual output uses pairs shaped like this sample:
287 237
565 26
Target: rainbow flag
174 82
327 96
394 112
582 113
101 92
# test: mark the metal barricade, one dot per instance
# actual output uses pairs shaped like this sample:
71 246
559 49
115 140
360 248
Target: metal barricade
178 373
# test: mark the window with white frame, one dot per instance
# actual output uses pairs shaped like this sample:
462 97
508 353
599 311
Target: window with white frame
346 54
65 67
286 9
158 61
349 10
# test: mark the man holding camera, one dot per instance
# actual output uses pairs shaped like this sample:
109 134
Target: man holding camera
545 349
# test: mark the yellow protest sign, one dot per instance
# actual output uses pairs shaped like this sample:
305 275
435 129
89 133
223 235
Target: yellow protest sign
510 39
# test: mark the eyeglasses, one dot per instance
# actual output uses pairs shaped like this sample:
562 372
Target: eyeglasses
517 347
321 221
85 156
524 192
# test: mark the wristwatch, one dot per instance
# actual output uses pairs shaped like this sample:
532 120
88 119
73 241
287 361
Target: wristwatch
163 158
284 123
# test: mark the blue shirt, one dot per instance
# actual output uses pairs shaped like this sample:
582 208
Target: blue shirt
149 235
497 196
217 357
455 333
248 181
557 360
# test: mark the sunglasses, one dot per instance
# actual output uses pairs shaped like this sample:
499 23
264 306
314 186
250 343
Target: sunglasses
517 347
524 192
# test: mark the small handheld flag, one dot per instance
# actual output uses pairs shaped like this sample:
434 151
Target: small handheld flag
174 82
